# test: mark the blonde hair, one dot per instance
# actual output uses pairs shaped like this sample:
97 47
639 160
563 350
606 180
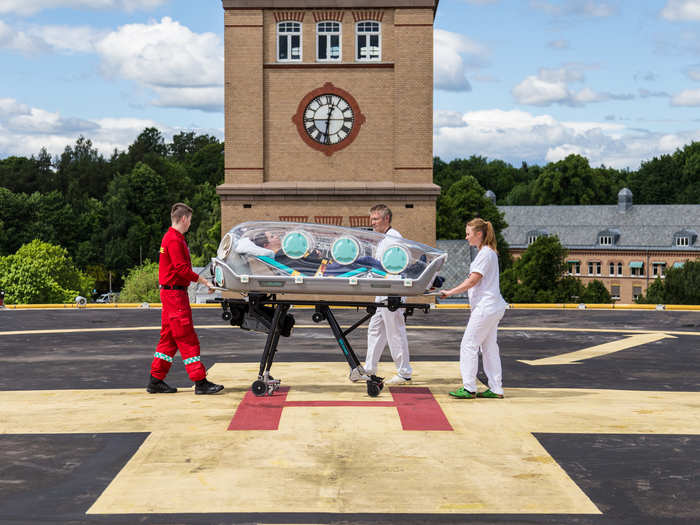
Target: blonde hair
486 228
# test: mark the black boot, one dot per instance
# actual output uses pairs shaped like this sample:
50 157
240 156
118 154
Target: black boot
158 386
203 386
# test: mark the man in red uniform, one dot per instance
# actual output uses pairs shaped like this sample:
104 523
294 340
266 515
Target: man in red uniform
177 330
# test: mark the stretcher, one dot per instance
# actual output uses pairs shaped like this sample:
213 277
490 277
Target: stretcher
268 314
262 261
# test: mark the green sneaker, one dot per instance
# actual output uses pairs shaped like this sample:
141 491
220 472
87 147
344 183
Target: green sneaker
489 394
462 393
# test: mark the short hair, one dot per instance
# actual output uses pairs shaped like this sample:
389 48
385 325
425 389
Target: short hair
178 211
383 208
261 240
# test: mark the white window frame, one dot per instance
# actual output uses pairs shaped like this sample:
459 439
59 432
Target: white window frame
658 269
615 296
289 35
605 240
368 34
328 34
531 239
619 268
612 268
682 240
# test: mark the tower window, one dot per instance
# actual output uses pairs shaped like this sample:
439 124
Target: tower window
368 41
328 41
289 41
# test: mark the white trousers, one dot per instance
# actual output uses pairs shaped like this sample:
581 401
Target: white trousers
481 334
388 327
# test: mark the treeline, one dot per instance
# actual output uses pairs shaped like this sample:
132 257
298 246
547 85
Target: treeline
110 213
669 179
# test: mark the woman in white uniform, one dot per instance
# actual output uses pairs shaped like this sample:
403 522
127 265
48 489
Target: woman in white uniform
487 309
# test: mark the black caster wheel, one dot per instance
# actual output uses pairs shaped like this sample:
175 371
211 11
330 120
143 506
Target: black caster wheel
226 316
392 307
317 317
373 389
259 388
372 310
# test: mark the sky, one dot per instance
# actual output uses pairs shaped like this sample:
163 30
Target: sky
617 81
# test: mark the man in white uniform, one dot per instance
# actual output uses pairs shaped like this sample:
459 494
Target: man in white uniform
385 326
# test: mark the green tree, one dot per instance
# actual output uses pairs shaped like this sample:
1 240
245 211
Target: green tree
537 274
682 285
655 293
42 273
141 285
82 172
570 181
596 292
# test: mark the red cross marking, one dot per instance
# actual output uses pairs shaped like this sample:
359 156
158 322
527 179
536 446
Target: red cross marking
417 407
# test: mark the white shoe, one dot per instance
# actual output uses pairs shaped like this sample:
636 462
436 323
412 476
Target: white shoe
397 380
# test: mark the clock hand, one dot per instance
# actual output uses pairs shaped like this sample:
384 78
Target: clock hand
328 124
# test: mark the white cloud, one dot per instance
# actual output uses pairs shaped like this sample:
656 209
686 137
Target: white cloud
575 8
687 97
453 53
184 69
517 136
693 72
30 7
681 10
24 130
550 86
558 44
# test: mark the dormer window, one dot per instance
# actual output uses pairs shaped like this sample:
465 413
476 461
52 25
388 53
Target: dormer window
369 42
328 41
533 235
684 238
289 42
608 237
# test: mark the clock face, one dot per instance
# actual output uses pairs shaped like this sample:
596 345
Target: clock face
328 119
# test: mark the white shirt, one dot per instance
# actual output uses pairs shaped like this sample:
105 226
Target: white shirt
383 245
486 295
246 246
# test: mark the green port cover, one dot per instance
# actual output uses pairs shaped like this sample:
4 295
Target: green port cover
295 245
395 259
345 250
219 276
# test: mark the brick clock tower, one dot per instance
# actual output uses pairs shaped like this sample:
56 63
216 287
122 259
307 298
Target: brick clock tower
329 110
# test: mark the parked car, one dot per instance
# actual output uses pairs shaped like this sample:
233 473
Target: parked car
108 298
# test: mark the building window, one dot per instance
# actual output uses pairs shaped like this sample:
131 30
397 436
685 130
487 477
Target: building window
369 41
615 291
289 41
619 268
636 292
637 268
658 269
594 268
612 268
605 240
328 41
682 241
574 267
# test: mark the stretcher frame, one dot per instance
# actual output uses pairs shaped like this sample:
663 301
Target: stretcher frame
235 310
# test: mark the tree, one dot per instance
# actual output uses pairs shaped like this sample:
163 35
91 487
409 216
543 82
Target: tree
596 292
141 284
41 273
82 172
681 286
537 274
569 181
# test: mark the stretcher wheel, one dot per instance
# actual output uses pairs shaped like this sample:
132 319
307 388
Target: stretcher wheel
373 389
226 316
259 388
317 317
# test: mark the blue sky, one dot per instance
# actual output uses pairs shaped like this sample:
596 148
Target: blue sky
520 80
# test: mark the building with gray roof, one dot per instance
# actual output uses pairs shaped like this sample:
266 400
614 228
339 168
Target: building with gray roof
625 245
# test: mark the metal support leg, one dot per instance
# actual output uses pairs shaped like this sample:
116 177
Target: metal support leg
265 383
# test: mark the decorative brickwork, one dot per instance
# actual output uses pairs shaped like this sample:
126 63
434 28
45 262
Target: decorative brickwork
289 16
322 16
374 14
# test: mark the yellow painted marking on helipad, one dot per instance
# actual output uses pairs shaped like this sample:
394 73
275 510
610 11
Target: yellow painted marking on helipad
459 328
573 358
328 459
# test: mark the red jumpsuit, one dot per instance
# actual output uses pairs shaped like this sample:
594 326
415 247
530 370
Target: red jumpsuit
177 329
